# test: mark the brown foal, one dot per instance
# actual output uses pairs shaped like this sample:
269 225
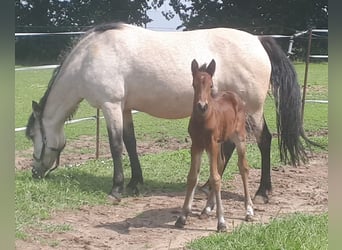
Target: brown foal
215 119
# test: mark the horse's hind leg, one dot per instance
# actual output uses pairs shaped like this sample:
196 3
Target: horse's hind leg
192 181
264 139
131 147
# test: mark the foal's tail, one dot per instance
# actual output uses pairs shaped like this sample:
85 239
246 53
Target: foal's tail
286 91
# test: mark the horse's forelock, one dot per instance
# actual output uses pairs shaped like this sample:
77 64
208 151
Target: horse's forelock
29 125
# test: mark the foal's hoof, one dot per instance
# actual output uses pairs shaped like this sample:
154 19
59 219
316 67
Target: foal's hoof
221 227
180 222
249 218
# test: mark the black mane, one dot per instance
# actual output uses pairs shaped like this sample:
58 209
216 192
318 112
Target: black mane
107 26
42 101
98 28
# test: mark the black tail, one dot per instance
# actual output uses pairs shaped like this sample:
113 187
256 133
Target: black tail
286 91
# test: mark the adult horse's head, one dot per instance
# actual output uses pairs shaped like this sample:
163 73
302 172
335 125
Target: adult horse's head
47 142
202 84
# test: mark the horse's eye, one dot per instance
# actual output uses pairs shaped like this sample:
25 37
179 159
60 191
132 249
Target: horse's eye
211 86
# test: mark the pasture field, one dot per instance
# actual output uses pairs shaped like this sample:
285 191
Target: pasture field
80 185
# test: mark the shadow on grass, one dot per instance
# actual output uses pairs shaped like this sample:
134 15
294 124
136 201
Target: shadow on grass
85 182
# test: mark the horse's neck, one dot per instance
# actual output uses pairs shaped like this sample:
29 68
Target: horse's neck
61 103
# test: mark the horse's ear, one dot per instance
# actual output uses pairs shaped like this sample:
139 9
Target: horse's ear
211 68
36 109
194 66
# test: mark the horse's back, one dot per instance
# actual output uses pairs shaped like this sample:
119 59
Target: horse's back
143 67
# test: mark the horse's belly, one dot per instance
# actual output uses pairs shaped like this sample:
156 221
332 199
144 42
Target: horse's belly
162 106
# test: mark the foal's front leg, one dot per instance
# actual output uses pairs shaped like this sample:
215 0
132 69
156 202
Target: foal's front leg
211 201
192 181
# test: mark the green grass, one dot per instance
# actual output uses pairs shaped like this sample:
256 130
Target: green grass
297 231
88 184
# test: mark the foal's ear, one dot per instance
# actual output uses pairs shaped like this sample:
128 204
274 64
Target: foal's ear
211 68
194 66
36 109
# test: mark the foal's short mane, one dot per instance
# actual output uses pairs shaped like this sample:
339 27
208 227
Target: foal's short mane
203 68
98 28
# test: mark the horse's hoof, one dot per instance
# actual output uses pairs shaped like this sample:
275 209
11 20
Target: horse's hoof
115 195
134 191
204 216
115 198
260 199
180 222
221 227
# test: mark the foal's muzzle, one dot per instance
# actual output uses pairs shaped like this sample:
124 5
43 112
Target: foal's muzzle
202 106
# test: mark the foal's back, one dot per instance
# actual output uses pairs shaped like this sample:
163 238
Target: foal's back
229 110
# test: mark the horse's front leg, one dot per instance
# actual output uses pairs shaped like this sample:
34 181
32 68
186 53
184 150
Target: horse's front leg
113 115
192 181
131 147
215 184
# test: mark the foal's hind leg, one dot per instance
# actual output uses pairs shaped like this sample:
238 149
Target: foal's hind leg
215 183
244 172
131 147
264 139
227 149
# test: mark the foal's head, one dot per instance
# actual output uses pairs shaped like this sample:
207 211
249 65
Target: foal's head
202 84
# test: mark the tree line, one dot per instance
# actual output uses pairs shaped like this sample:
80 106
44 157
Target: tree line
255 16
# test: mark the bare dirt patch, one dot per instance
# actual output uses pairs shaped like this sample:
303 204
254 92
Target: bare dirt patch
148 222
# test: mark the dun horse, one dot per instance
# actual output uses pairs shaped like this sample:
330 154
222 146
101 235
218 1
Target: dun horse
215 119
119 68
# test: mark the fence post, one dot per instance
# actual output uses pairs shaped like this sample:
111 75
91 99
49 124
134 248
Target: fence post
306 72
97 133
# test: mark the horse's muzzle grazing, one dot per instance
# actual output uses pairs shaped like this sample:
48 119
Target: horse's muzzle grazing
202 106
37 173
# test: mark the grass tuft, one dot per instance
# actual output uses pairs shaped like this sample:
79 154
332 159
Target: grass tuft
297 231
